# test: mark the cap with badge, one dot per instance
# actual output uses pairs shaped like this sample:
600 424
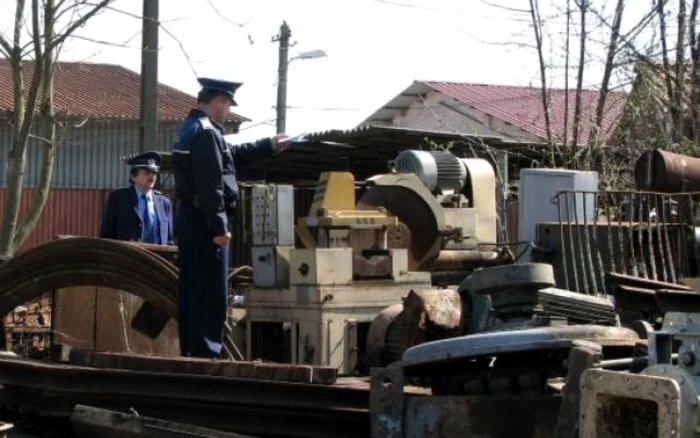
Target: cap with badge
149 160
224 86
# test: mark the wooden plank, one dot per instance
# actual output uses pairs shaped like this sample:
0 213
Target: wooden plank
281 372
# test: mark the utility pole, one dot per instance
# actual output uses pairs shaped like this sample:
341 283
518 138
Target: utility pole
149 77
283 38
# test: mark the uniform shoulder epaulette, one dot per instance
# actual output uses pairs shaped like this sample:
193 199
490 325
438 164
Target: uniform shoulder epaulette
157 192
206 123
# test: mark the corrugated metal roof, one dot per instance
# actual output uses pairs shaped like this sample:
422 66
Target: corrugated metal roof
108 91
519 106
365 151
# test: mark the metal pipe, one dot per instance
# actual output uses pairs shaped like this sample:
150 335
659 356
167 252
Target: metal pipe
628 362
663 171
455 260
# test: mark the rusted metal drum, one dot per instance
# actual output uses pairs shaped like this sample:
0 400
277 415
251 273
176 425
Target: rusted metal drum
662 171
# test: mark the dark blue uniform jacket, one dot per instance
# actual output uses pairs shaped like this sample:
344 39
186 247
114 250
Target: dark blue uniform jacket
122 219
205 169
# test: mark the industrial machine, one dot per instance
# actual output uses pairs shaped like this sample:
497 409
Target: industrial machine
512 361
661 400
446 208
314 303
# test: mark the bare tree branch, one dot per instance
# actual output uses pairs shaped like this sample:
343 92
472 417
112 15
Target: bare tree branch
597 128
79 22
537 28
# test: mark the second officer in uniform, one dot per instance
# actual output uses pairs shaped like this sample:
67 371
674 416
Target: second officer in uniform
205 181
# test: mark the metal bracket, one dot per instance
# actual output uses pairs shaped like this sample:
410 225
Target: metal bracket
386 403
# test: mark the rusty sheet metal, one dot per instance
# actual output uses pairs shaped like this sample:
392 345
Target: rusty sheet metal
67 211
615 404
662 171
386 403
481 417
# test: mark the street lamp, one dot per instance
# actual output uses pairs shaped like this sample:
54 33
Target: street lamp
283 38
312 54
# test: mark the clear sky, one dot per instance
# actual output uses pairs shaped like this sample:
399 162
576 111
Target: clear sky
375 48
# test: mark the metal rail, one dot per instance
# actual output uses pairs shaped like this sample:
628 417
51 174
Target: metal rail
646 234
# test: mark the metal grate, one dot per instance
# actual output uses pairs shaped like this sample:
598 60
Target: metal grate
644 234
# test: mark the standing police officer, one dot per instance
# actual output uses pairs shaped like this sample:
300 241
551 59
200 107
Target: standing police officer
205 181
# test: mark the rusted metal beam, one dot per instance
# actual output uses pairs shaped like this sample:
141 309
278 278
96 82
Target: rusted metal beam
247 406
89 422
583 355
88 261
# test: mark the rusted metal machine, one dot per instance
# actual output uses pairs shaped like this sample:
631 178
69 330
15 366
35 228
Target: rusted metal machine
509 297
659 401
476 378
433 213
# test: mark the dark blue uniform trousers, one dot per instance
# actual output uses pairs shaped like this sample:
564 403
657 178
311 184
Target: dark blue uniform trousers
203 286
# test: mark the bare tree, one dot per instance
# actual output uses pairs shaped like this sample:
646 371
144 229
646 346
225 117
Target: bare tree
33 102
537 27
583 8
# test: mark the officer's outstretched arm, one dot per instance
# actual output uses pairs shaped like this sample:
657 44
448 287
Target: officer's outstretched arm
250 152
207 172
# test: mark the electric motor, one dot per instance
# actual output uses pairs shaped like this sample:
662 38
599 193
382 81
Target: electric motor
438 170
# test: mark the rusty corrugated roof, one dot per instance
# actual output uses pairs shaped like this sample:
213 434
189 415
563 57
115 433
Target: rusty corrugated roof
516 105
104 91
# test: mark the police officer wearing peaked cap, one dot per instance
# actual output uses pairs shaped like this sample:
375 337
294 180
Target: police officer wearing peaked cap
139 213
204 166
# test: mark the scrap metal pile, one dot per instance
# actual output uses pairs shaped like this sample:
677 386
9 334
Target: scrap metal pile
594 303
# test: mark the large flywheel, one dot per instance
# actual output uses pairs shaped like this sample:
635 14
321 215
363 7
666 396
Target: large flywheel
417 230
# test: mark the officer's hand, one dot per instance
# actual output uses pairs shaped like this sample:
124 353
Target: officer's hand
278 145
223 239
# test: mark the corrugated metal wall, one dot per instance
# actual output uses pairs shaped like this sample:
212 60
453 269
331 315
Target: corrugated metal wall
67 211
88 153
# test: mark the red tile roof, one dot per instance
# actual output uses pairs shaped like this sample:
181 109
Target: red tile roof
108 91
522 107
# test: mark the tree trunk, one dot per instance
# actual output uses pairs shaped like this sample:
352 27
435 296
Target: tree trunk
670 131
48 132
567 57
695 73
583 6
537 26
598 129
679 131
17 156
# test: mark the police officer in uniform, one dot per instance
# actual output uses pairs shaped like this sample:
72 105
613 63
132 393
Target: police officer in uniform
205 180
139 213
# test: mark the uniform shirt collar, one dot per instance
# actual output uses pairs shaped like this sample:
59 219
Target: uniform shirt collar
139 192
197 113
